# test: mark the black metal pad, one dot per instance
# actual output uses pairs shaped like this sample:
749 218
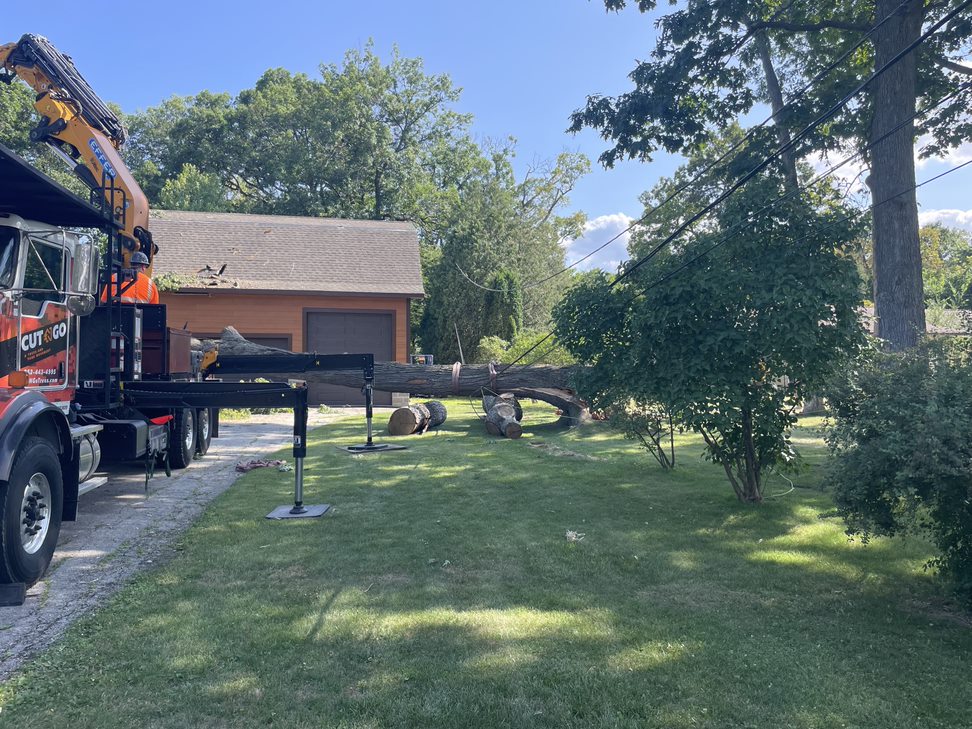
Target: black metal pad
373 448
309 511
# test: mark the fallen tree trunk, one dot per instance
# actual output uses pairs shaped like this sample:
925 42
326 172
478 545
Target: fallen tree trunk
539 382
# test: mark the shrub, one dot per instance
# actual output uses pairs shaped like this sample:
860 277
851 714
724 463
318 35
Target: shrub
902 446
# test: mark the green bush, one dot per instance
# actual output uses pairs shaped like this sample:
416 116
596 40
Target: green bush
902 446
535 346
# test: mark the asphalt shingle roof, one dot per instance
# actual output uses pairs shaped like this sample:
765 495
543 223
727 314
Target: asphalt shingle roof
275 252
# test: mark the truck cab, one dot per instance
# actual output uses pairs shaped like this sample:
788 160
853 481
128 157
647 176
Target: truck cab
48 278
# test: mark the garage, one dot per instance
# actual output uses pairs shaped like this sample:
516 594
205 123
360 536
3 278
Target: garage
340 332
301 284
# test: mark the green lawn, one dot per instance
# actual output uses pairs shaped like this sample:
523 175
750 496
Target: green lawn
442 591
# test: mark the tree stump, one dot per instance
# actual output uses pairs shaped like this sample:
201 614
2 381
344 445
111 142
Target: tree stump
417 418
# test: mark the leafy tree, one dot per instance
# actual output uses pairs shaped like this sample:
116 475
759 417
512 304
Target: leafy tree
902 446
704 74
499 223
728 331
533 345
181 131
193 190
946 264
503 314
17 118
365 140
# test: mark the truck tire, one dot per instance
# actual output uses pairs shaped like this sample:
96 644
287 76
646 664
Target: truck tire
30 512
183 444
204 431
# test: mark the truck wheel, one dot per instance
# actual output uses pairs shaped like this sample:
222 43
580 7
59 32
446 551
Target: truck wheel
204 432
183 445
30 512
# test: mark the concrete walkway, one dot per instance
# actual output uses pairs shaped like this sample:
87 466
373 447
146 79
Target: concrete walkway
121 530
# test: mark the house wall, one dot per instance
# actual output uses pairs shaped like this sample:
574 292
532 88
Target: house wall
276 313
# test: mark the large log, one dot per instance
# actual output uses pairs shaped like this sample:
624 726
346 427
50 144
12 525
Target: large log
539 382
417 418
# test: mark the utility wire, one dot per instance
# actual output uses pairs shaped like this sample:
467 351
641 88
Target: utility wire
789 145
845 219
708 168
721 241
736 227
704 253
742 224
766 162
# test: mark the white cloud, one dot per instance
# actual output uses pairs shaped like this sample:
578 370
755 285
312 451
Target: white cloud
951 218
597 233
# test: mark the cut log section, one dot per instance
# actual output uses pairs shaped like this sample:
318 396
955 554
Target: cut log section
417 418
539 382
501 420
490 401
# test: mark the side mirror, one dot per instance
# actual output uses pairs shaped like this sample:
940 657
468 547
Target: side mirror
81 304
84 272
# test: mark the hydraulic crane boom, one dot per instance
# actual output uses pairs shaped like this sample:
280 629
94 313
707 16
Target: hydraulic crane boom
83 131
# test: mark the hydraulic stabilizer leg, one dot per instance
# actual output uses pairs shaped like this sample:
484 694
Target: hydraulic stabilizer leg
299 510
370 446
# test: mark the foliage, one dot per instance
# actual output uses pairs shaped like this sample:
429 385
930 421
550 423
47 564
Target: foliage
193 190
175 281
714 62
697 82
535 346
946 266
727 332
902 445
651 424
375 140
499 224
503 314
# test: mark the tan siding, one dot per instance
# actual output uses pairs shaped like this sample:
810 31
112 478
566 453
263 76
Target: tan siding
272 314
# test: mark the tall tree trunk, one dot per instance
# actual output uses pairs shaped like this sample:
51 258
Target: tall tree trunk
898 295
775 94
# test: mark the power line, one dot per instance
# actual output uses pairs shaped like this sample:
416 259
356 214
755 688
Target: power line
789 145
729 234
736 227
785 147
845 219
704 253
679 190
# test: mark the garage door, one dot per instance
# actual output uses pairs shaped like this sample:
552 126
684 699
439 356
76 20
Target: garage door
332 332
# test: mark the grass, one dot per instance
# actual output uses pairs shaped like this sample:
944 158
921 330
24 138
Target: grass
441 591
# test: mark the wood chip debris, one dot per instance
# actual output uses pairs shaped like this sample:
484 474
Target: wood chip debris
574 536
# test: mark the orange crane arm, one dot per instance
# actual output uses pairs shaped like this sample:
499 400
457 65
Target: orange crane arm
83 131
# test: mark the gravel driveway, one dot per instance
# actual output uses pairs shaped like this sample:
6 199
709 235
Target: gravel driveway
121 530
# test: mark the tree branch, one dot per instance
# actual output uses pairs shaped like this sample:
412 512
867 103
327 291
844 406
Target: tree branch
953 66
856 26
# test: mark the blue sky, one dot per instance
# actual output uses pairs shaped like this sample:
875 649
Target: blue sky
523 67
